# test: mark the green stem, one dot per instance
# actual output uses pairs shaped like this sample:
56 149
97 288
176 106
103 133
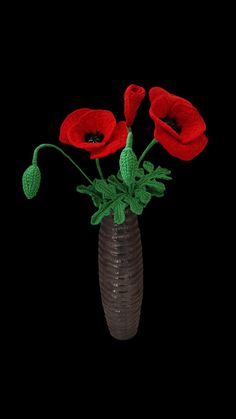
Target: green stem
129 141
150 145
99 168
35 156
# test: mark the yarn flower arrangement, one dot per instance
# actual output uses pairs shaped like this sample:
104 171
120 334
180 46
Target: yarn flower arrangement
178 127
121 197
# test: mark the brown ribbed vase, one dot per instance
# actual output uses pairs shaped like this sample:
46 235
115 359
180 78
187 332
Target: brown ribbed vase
121 275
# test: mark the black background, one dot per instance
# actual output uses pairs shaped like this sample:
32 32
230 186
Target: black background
55 300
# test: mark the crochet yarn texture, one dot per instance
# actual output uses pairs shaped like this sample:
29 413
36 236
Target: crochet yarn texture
123 195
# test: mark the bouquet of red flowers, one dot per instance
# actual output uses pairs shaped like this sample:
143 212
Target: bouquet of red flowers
123 195
179 128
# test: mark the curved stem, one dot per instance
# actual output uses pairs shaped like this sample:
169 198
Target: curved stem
150 145
99 168
35 156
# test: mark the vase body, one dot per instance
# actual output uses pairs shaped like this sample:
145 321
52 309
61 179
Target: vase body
121 275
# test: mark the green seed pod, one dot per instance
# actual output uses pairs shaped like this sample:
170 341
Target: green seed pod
128 165
31 181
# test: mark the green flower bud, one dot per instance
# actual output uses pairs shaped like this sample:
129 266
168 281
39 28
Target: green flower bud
31 181
128 165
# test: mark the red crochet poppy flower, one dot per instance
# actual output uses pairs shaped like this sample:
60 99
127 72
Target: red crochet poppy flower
133 97
95 131
178 125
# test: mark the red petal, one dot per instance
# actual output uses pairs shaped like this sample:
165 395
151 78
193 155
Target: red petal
191 141
96 120
116 142
133 97
160 107
177 149
156 92
190 120
169 130
70 121
177 99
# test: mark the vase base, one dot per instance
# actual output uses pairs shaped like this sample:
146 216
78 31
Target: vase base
121 328
124 337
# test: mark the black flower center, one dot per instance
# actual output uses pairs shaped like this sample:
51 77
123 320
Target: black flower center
172 123
90 137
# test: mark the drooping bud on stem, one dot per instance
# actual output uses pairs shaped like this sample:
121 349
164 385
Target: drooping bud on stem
31 181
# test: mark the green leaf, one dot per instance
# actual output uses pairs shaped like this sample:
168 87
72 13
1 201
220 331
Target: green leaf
119 211
91 191
128 165
121 187
31 181
113 180
159 173
159 186
103 211
139 173
156 189
148 166
119 175
96 200
143 195
102 186
155 193
135 205
162 173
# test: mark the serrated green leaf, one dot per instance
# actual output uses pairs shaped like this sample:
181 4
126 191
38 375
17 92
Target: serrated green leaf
135 206
102 186
156 189
159 173
91 191
143 195
148 166
113 179
121 187
119 211
139 173
103 211
96 200
155 193
31 181
128 165
162 173
163 170
158 186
